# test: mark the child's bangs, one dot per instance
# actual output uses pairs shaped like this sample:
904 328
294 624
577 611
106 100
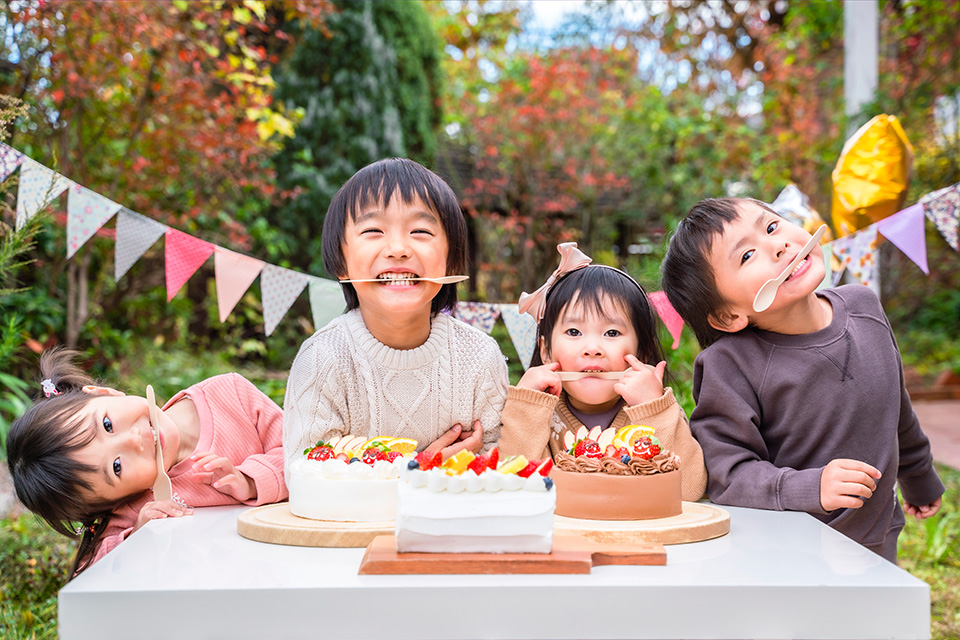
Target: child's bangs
598 291
380 189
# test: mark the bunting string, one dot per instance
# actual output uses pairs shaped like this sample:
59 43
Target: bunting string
234 273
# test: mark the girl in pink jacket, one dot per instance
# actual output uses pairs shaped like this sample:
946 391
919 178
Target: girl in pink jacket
85 454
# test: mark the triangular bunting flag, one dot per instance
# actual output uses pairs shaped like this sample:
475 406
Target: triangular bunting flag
234 273
831 276
905 230
523 331
941 207
857 252
481 315
38 187
326 301
183 254
279 287
10 159
671 319
87 211
135 234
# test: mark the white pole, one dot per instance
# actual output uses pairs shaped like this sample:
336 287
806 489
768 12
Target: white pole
860 54
861 27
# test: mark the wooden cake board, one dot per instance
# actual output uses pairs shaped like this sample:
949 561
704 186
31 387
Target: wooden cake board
571 554
698 521
275 523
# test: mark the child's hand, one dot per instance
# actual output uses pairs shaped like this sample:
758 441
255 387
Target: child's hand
160 509
922 511
220 473
543 378
641 383
456 439
846 484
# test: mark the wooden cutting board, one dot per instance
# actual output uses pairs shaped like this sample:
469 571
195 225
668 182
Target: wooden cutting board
698 521
276 524
571 554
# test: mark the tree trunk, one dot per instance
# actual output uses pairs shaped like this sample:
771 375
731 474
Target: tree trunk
78 296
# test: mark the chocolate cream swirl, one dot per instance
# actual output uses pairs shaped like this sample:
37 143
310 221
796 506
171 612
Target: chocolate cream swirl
661 463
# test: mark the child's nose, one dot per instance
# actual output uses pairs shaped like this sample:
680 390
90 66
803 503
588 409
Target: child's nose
398 246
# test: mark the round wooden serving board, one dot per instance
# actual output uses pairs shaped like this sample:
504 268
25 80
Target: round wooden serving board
699 521
275 523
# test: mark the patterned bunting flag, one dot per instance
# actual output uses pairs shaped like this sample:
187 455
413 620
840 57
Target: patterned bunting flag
482 315
38 187
87 211
523 331
326 301
671 319
905 230
857 252
183 254
10 159
233 274
941 207
135 234
279 287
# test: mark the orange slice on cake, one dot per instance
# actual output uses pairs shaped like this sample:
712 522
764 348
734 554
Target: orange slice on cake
405 446
627 435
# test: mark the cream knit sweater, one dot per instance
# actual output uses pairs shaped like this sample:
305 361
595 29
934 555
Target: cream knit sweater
345 381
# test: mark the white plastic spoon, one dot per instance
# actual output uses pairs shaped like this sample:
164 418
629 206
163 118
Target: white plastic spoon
577 375
769 289
441 280
162 487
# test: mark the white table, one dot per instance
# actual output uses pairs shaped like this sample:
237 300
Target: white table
776 575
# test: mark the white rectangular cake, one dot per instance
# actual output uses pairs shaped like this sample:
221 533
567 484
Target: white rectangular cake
487 513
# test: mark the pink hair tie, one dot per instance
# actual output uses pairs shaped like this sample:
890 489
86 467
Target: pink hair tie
49 389
571 259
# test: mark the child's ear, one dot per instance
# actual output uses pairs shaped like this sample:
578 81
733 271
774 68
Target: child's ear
728 321
101 391
544 354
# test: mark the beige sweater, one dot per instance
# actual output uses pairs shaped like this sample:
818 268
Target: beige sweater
534 424
345 381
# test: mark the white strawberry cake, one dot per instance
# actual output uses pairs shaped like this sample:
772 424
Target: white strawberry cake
615 474
349 479
475 504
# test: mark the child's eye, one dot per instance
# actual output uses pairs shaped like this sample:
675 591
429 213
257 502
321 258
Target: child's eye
370 230
772 226
107 425
746 256
116 467
572 332
426 231
612 333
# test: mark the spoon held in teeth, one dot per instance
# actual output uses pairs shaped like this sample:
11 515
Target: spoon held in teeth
441 280
768 291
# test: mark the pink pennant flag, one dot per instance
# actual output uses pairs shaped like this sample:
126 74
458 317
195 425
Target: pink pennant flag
183 254
279 287
671 319
905 230
234 273
87 211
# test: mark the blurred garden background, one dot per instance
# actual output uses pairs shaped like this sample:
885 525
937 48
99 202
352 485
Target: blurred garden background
601 122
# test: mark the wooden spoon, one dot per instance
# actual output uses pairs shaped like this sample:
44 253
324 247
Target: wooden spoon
162 487
441 280
577 375
769 289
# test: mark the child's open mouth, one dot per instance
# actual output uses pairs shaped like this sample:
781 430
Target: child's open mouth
394 279
799 267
